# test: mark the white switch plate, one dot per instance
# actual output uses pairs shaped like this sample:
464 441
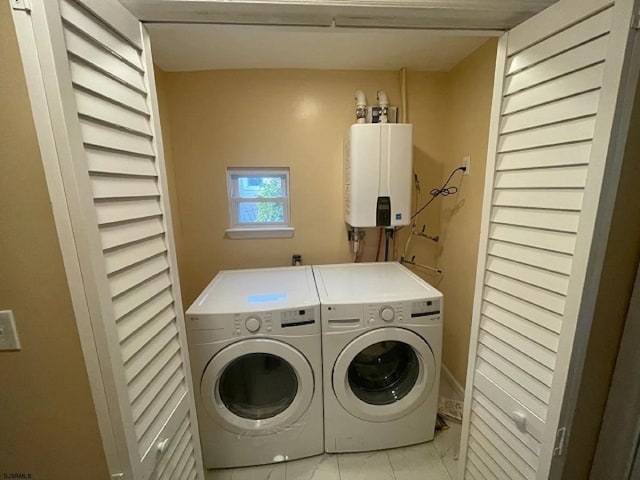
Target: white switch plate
8 334
466 162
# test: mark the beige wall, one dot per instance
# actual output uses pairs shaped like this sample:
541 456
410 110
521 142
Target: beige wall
297 118
48 426
291 118
165 122
471 84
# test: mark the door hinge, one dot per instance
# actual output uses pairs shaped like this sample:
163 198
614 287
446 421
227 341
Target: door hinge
117 476
635 20
561 442
23 5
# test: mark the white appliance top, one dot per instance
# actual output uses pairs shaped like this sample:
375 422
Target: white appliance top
370 282
236 291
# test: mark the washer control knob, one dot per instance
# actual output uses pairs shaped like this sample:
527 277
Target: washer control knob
387 314
253 324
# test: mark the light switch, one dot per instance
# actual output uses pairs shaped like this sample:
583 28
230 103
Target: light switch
8 334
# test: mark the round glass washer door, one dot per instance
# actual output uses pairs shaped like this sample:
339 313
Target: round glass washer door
257 386
384 374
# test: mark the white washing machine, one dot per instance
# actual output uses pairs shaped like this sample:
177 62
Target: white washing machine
381 345
254 342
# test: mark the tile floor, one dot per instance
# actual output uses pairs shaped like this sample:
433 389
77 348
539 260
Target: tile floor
437 460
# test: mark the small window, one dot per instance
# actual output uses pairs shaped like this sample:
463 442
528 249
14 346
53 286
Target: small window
259 203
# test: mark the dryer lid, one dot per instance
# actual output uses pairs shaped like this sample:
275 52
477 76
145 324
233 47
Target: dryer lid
233 291
370 282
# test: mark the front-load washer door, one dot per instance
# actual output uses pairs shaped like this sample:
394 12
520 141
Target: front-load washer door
384 374
257 386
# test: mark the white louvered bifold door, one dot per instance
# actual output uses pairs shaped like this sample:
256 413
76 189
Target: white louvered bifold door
98 76
557 83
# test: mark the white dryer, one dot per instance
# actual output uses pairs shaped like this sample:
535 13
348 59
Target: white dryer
381 341
254 342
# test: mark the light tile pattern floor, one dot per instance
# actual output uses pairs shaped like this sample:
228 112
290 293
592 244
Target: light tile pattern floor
437 460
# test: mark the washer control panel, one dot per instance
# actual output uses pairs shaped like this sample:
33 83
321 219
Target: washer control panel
253 323
427 309
297 318
384 313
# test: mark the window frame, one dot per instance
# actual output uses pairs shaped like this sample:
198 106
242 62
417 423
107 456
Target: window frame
240 229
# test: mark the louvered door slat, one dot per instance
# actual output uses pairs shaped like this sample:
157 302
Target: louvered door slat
124 209
477 463
554 241
562 41
550 138
552 281
92 53
111 138
171 468
582 56
565 132
139 295
557 111
515 465
123 234
522 379
143 272
508 404
182 464
535 313
150 422
561 177
150 320
506 422
473 473
121 258
525 363
486 456
107 186
552 199
537 218
552 156
534 295
165 339
575 83
88 78
528 328
512 388
101 161
79 17
544 259
181 434
520 342
93 106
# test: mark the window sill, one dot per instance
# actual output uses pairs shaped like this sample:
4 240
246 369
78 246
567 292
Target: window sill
275 232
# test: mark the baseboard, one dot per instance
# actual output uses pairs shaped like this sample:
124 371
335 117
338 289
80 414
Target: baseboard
459 389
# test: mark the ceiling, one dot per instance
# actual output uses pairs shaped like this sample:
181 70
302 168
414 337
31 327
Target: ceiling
189 47
440 14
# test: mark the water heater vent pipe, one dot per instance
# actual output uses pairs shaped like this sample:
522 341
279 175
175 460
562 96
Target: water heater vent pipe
383 102
361 107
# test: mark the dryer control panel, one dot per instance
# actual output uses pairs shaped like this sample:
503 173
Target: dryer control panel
214 327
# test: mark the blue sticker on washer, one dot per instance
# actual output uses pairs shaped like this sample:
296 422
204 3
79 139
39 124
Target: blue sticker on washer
269 297
398 216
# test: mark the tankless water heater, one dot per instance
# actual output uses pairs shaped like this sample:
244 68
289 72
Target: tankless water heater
377 175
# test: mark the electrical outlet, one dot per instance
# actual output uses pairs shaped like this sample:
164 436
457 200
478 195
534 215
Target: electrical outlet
8 334
466 162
